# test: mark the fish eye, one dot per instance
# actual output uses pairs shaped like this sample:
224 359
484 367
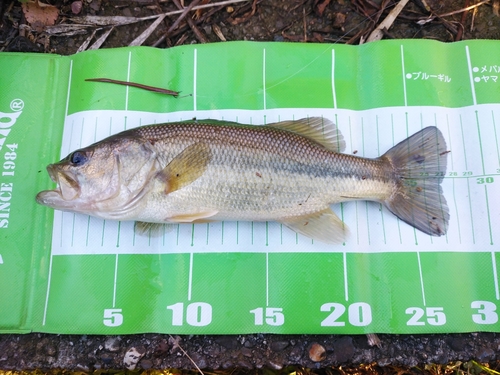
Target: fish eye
78 158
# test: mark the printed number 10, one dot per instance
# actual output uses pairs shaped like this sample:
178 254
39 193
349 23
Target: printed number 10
198 314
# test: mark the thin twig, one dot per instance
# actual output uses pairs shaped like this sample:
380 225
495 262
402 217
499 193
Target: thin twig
99 42
185 11
387 22
432 18
462 21
201 38
138 85
121 20
187 355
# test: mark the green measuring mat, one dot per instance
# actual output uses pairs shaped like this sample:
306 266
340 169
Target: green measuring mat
71 273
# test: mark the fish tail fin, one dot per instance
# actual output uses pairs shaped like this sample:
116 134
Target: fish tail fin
419 165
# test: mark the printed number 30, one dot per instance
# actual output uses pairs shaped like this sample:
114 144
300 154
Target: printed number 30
486 312
113 317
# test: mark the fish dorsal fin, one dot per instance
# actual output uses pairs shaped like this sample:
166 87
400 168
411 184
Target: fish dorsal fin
318 129
197 217
186 167
323 226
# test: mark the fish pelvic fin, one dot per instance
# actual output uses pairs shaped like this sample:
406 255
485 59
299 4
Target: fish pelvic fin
196 217
318 129
419 165
186 167
324 226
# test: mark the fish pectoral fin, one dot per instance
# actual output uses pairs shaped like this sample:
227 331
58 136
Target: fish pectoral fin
197 217
323 226
186 167
318 129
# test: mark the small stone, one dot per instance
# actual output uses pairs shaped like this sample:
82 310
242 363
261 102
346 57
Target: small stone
146 364
344 349
278 346
246 352
132 357
317 352
112 344
384 362
162 348
127 12
106 358
485 355
458 343
244 364
295 354
227 342
76 7
82 367
199 359
51 350
275 365
95 5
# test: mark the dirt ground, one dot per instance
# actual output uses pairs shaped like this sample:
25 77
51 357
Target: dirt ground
33 28
45 29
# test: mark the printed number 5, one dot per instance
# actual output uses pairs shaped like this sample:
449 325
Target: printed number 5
113 317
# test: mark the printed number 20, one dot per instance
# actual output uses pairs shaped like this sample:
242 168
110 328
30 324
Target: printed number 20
359 314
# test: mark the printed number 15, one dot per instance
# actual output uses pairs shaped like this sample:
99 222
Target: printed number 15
274 316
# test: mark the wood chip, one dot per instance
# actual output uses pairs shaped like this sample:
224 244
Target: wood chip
218 32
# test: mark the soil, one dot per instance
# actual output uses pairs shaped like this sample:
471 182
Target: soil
320 21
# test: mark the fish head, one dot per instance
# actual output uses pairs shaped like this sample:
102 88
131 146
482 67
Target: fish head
100 179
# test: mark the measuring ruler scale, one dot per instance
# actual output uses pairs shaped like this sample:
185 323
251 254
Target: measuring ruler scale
247 277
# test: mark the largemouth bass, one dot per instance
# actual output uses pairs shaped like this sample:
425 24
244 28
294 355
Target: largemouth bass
290 172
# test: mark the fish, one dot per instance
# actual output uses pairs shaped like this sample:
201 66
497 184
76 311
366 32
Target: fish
290 172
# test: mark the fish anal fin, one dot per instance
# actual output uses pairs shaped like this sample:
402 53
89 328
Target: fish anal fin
197 217
318 129
324 226
150 229
186 167
419 163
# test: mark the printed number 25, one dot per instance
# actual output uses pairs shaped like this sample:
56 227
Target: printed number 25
435 316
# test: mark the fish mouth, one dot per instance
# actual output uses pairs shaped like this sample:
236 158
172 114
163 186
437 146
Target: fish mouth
67 190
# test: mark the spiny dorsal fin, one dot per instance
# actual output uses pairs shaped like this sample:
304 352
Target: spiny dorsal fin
318 129
323 226
186 167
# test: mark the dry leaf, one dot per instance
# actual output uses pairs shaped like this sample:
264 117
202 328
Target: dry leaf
40 15
320 7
